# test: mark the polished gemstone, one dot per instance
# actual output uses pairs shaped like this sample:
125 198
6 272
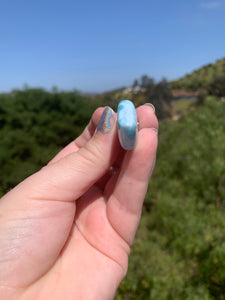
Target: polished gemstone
127 124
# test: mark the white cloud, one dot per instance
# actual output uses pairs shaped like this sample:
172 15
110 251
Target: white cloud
211 4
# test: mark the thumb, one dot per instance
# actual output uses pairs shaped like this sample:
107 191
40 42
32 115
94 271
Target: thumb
69 178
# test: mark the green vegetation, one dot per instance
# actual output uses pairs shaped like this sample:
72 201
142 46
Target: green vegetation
217 87
34 126
179 252
181 107
200 78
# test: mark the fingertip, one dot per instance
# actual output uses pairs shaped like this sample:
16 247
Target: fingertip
146 117
148 139
155 130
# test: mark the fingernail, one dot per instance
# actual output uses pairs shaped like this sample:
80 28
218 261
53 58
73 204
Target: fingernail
154 129
151 105
106 121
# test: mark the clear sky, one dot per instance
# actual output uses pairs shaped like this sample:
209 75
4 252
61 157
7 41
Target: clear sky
96 45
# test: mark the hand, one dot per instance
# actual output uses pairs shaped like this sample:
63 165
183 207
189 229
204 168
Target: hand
66 231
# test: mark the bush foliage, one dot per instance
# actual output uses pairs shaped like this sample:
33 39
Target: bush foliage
179 252
201 78
34 126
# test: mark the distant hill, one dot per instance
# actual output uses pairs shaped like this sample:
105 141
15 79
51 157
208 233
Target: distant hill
200 78
186 86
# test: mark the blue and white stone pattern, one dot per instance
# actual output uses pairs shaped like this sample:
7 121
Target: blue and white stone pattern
127 124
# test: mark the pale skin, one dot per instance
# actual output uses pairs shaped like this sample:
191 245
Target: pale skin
66 231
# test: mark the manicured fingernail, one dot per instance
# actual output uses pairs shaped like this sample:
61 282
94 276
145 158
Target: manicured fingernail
151 105
106 121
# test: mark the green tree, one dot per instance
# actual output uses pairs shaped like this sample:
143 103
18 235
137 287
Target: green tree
217 87
135 83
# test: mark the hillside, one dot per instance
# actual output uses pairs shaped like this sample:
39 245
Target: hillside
200 78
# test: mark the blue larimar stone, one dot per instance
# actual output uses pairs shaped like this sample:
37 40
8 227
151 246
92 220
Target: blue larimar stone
127 124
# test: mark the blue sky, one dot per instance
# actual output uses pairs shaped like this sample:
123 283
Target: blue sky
96 45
